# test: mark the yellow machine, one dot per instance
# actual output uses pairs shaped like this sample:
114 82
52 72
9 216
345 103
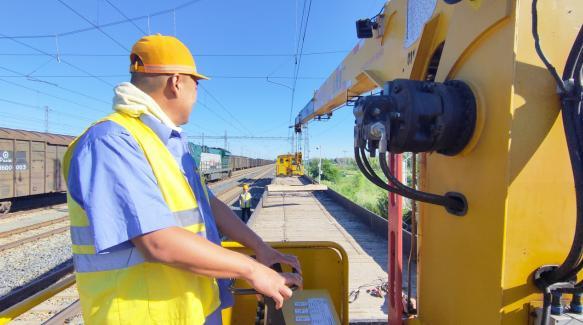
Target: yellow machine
469 86
324 293
289 165
462 81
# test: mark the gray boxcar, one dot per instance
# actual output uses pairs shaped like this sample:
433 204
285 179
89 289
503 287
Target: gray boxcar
30 164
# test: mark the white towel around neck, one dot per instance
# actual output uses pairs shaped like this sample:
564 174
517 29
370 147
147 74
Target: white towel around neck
131 100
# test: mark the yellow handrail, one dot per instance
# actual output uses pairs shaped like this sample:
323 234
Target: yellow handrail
20 308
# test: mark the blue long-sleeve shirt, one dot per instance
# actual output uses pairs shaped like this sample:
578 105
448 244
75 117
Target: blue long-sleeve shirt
113 182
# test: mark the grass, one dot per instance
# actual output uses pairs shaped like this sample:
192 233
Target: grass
352 184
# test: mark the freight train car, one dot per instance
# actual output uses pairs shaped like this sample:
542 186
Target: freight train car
217 163
240 162
213 163
30 164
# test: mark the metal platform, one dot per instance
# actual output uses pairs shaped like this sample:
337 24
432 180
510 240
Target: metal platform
312 215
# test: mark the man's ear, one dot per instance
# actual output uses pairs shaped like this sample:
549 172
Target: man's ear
173 85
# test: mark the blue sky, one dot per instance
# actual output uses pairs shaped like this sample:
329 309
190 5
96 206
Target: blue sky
237 43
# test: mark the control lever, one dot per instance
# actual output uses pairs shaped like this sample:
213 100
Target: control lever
274 316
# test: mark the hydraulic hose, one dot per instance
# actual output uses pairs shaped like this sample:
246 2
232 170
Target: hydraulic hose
368 172
413 194
573 125
571 93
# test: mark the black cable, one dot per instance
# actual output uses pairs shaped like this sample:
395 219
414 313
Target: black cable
370 174
387 187
539 51
367 165
573 125
413 194
571 104
366 172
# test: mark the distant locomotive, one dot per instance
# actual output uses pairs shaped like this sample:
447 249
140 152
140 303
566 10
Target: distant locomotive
217 163
30 164
213 163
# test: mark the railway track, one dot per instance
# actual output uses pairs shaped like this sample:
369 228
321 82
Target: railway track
227 187
235 175
62 305
16 214
232 192
23 231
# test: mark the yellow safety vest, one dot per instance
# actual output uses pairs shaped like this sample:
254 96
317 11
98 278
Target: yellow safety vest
121 287
245 200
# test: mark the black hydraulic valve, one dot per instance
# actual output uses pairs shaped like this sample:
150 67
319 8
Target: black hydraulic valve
415 116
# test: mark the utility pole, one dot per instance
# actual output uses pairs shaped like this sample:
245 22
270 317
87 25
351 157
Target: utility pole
319 148
203 138
47 119
299 142
307 144
226 140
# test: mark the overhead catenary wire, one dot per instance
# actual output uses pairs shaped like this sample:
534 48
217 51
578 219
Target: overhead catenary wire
28 119
17 103
74 54
61 60
126 75
225 109
299 50
203 104
114 23
44 64
119 11
296 70
303 40
21 75
51 95
94 25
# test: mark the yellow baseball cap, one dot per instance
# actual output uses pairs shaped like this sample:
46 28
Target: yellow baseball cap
162 54
245 185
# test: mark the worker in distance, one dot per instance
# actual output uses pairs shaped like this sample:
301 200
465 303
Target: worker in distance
245 203
144 226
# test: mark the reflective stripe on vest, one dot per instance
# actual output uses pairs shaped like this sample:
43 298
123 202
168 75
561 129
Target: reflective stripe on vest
121 286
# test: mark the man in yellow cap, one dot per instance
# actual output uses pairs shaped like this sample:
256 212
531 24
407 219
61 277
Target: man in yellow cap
245 203
144 226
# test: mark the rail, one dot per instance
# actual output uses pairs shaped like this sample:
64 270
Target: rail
27 301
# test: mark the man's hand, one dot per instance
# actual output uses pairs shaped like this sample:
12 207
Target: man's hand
269 256
231 226
272 284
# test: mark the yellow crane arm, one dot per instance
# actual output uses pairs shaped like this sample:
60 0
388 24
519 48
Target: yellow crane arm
406 35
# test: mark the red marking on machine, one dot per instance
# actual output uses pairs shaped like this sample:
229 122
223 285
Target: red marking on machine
395 267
